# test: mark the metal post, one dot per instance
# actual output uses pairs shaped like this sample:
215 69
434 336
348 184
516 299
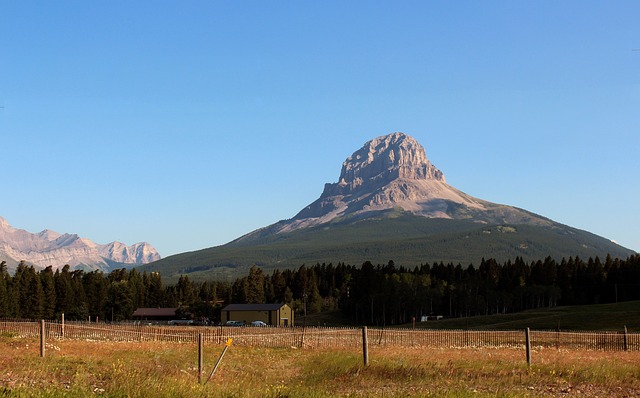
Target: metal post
42 338
228 344
365 346
528 342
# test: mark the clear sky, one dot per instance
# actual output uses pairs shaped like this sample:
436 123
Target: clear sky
189 123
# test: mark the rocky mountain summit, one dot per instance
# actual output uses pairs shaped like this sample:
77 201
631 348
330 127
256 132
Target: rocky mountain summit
52 248
393 172
391 203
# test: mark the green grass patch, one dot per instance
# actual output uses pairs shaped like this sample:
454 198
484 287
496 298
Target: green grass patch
601 317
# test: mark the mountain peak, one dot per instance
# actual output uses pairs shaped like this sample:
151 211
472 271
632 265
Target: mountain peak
387 158
392 172
392 203
52 248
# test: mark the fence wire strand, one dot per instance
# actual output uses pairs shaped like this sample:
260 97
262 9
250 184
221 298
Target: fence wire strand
324 337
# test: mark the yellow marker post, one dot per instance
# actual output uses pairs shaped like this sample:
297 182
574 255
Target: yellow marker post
227 345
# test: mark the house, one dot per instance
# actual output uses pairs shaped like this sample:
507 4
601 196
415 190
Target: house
155 314
272 314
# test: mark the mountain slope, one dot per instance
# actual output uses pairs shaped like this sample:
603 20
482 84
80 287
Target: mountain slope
390 172
391 203
405 238
51 248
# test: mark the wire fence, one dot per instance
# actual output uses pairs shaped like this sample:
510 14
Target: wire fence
323 337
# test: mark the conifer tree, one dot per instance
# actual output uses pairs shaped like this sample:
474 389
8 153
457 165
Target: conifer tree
29 292
49 293
64 291
4 291
279 284
136 285
185 291
239 291
154 292
255 286
96 289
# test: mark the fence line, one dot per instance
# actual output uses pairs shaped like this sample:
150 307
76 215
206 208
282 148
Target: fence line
325 337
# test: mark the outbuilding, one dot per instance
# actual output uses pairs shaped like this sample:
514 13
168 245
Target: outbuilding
272 314
155 314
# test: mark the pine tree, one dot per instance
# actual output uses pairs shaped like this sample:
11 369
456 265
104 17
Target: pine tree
64 291
49 293
29 292
96 288
255 286
185 290
239 291
80 307
279 284
154 292
4 290
120 301
136 285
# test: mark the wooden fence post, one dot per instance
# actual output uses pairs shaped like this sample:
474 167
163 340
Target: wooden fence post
528 343
62 326
365 346
200 361
42 340
302 336
625 338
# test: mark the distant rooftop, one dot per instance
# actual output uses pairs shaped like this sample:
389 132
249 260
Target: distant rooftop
155 312
253 307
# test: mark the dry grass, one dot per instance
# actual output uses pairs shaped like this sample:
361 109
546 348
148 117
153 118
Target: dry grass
85 368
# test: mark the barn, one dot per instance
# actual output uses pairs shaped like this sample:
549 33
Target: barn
154 314
272 314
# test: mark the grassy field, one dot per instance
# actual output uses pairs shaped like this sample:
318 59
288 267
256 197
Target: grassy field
601 317
85 368
610 317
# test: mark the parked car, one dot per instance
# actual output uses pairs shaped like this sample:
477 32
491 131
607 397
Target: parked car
235 323
258 323
181 322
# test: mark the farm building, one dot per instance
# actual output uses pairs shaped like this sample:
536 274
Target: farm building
271 314
154 314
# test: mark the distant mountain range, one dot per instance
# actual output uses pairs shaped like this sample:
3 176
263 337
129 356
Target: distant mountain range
391 203
49 248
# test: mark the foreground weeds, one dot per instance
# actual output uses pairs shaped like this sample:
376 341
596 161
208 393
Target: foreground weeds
84 368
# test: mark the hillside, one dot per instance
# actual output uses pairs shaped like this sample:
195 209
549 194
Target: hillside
400 236
391 203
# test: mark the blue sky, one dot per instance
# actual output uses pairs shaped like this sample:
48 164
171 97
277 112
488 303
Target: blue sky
187 124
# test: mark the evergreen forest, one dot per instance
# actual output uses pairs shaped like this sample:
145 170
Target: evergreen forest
383 294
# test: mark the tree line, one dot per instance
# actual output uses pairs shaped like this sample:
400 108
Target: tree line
383 294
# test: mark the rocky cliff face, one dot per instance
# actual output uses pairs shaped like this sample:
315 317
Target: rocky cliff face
384 159
393 172
51 248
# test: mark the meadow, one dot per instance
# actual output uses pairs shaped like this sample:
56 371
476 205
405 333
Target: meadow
79 368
